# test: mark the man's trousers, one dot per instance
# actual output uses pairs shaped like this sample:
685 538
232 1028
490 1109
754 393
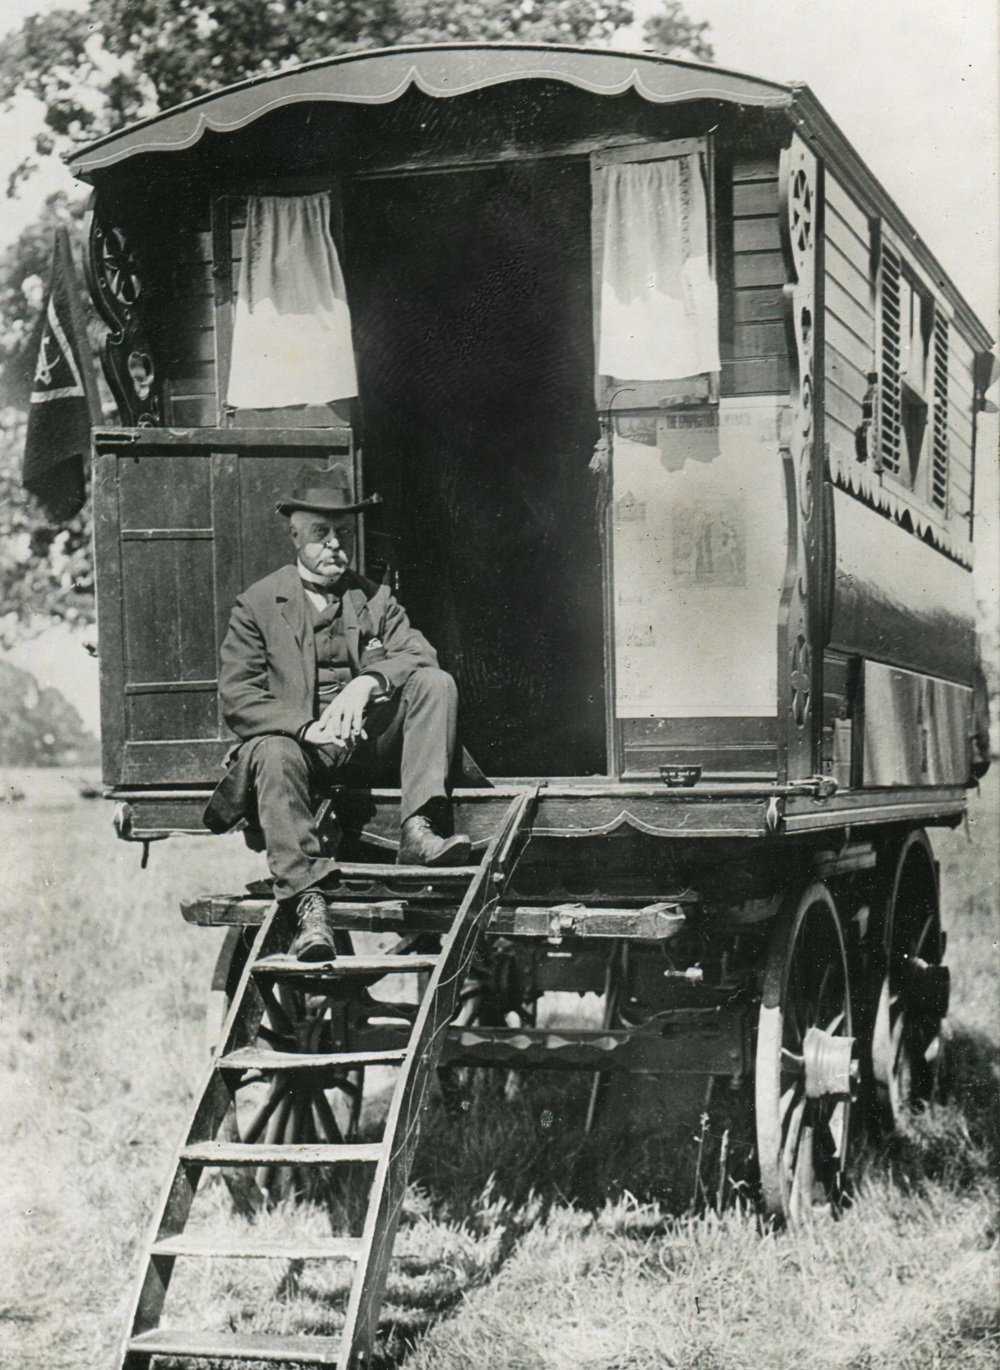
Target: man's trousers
412 735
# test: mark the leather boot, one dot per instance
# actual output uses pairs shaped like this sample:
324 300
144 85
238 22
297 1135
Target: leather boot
421 846
314 941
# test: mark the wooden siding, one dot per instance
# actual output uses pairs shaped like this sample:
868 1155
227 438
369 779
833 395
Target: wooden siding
849 317
960 386
753 341
189 334
722 746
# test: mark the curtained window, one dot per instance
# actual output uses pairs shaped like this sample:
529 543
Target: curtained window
292 326
659 305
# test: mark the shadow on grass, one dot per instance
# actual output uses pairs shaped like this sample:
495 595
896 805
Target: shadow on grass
955 1140
653 1140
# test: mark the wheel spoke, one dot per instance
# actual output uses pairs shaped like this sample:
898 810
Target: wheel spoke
279 1019
919 946
800 1199
790 1145
275 1130
277 1091
837 1127
801 1141
326 1123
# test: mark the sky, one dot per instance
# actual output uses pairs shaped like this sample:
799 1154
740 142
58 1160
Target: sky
911 83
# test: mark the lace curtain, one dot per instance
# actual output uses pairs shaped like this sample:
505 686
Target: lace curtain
292 328
659 306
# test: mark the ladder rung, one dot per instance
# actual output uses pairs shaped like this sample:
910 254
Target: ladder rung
289 1248
378 870
343 966
255 1058
392 910
299 1153
304 1350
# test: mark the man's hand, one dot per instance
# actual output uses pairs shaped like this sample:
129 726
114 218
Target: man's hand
341 722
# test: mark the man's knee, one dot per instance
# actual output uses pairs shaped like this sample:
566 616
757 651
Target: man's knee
430 682
276 752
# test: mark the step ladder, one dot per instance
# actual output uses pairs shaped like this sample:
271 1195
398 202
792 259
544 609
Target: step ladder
472 893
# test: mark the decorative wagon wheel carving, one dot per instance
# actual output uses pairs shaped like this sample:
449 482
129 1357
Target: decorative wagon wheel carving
805 1067
117 268
801 680
129 361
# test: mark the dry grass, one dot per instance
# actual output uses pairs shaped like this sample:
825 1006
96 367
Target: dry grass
902 1281
517 1227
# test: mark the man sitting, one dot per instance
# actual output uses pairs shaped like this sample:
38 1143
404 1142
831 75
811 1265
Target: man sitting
325 681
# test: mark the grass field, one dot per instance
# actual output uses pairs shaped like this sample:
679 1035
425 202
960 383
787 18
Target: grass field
524 1247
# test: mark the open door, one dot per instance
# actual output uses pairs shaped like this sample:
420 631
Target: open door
470 294
695 526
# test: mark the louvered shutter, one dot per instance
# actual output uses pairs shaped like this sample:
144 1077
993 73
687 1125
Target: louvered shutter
939 467
891 435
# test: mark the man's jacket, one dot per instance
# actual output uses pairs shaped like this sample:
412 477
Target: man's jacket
267 680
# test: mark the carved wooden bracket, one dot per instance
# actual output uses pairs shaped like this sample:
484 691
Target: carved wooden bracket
117 287
799 667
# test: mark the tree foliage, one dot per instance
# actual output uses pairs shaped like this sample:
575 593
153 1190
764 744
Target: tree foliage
46 573
672 32
38 727
97 68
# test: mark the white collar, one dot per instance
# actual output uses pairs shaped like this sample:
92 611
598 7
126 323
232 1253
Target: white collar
315 582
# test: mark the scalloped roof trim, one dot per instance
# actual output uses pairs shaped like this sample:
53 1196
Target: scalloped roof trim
441 72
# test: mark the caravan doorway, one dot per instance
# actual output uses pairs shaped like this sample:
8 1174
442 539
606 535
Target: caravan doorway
471 300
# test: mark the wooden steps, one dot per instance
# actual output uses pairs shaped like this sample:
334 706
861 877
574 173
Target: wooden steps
343 967
302 1153
365 872
260 1248
291 1127
235 1346
254 1058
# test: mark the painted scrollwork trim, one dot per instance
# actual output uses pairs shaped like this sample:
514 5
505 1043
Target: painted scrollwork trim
118 290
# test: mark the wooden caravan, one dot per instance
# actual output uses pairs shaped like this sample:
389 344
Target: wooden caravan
672 416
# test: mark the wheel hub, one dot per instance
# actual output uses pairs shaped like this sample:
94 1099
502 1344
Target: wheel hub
830 1064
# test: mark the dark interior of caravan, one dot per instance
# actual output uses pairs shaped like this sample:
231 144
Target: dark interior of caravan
471 303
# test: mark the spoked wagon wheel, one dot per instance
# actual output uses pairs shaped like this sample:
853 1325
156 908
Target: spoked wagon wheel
914 989
804 1068
494 994
288 1106
292 1106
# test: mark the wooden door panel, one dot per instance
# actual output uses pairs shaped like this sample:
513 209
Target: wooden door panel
164 492
168 609
173 713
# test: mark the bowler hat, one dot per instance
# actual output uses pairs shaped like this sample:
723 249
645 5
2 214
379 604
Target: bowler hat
324 490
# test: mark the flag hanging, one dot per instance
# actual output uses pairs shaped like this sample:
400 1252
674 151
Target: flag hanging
64 401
